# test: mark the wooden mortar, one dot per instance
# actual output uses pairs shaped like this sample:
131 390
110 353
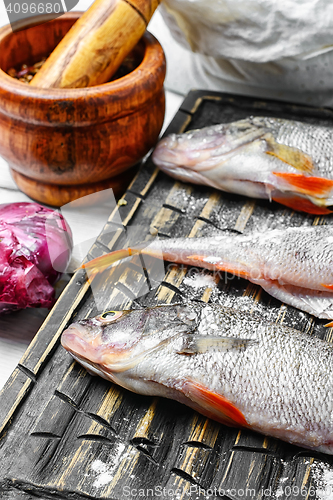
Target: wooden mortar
62 144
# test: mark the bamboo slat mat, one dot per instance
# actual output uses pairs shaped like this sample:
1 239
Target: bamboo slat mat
67 435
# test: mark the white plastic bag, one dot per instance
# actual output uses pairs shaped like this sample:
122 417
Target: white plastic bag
271 48
252 30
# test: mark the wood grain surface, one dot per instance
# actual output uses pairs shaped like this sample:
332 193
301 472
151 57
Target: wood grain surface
96 45
66 434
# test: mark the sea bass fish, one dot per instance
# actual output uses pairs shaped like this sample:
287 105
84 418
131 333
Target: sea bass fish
294 265
228 365
287 161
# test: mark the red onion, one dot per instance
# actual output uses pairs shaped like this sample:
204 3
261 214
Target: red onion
35 248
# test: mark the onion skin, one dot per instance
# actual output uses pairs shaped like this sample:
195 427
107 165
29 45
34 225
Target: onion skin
35 248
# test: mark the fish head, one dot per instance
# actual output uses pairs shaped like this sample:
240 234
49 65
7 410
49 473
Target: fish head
112 333
203 149
116 342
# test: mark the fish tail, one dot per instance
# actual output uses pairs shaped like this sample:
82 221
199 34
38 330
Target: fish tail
154 249
100 263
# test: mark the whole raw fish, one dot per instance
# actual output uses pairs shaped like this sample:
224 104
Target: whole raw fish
287 161
294 265
228 365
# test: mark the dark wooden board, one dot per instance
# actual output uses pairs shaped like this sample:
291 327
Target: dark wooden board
67 435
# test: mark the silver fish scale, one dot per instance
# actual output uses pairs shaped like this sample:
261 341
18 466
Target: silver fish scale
300 252
314 140
282 383
294 265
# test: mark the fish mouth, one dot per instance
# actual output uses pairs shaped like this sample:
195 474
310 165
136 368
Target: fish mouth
73 342
90 357
92 353
165 155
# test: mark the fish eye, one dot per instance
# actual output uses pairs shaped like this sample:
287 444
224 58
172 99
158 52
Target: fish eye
110 315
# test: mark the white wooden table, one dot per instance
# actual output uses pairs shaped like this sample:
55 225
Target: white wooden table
17 329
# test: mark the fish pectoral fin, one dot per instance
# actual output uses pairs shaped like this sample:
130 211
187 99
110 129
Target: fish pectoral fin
310 185
330 324
328 286
199 344
293 156
214 405
300 204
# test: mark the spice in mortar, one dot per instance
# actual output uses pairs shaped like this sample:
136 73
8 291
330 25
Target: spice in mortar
26 73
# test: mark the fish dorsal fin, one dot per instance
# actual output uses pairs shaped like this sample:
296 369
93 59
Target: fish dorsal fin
199 344
214 405
293 156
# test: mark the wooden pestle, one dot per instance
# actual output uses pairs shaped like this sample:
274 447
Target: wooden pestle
96 45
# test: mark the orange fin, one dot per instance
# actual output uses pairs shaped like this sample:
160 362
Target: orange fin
329 324
307 184
214 405
100 263
329 287
207 261
301 205
293 156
